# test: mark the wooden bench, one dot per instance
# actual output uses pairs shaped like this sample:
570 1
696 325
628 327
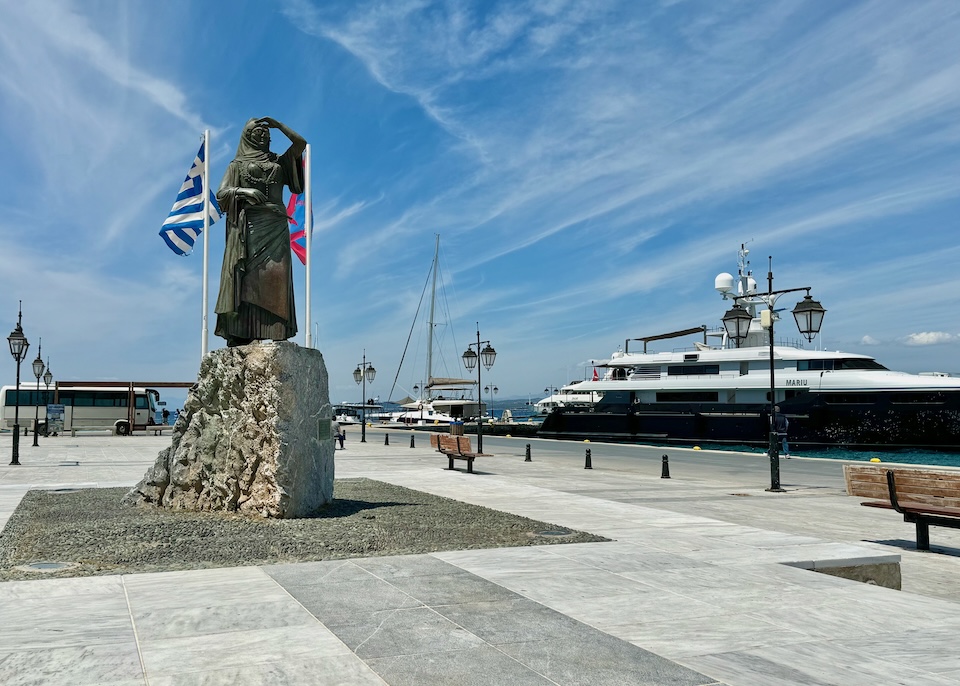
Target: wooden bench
922 496
456 448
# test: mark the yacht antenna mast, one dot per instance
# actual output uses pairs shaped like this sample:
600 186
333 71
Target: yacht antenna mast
430 325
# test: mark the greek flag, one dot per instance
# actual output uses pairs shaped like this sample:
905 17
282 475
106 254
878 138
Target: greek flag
185 221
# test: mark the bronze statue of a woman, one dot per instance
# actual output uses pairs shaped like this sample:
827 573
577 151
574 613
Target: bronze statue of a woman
256 280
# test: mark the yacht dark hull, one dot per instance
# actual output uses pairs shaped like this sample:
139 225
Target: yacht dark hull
859 421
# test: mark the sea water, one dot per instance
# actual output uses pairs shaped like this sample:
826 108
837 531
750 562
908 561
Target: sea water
925 457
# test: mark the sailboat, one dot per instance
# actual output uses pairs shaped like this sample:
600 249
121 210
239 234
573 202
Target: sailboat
442 400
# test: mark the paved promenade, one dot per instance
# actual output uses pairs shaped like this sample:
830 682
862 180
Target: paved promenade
707 581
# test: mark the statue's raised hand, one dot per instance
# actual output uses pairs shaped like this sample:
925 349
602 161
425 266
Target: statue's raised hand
270 121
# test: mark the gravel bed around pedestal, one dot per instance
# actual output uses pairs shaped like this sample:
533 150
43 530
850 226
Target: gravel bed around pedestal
90 532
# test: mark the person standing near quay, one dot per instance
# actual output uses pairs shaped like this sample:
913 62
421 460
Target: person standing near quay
337 433
780 425
256 281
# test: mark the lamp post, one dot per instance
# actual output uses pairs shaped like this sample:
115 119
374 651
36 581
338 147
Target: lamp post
47 379
488 356
364 374
550 391
416 389
18 348
37 372
491 389
809 317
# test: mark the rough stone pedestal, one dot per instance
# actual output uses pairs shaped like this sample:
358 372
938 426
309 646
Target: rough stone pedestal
253 437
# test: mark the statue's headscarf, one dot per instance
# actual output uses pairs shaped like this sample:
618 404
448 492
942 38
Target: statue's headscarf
247 150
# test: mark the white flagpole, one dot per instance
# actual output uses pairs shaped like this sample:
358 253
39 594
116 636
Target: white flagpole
206 240
308 230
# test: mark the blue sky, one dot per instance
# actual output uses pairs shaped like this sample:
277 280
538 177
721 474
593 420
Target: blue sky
590 168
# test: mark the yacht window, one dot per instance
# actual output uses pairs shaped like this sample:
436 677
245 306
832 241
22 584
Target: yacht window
619 374
693 370
838 363
858 363
850 398
687 397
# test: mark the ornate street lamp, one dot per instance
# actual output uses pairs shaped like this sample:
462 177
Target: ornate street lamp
809 317
47 380
364 374
491 389
737 323
416 389
488 356
18 349
37 372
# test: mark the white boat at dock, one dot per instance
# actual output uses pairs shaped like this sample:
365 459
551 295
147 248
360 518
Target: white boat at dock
715 392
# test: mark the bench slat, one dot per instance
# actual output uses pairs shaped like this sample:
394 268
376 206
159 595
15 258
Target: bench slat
935 487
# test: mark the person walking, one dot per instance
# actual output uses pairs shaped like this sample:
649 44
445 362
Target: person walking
338 434
780 425
166 416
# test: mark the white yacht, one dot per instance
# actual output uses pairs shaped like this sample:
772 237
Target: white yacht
570 395
716 392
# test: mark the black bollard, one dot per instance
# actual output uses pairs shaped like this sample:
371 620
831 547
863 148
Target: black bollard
665 470
412 445
528 454
386 439
589 464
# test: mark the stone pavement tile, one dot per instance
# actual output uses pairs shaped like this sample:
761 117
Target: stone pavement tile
70 588
400 566
44 623
403 632
90 665
681 638
933 650
203 619
903 611
328 670
483 665
201 588
586 584
322 572
512 621
340 602
539 560
819 663
821 616
596 659
452 588
703 582
208 652
621 556
650 605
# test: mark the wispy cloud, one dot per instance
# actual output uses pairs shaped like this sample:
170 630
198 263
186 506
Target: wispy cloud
931 338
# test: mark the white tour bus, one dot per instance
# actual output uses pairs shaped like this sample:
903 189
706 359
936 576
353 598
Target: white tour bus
84 407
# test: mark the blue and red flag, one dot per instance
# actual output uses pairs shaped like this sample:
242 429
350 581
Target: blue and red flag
297 214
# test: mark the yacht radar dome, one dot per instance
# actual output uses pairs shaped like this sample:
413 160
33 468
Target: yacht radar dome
723 282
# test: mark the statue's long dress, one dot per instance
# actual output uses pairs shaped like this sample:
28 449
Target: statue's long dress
256 281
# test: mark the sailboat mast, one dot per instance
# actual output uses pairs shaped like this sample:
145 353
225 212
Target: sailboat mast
433 301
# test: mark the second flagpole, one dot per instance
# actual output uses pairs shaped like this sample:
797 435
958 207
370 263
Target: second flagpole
308 235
